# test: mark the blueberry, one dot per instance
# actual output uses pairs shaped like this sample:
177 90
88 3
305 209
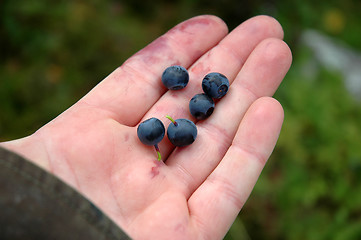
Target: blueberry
215 85
181 132
201 106
175 77
151 132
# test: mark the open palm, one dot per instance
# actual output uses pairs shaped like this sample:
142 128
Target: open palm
197 192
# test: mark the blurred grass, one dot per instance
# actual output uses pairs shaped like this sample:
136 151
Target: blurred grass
52 53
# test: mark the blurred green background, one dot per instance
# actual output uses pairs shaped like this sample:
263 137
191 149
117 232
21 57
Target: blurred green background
53 52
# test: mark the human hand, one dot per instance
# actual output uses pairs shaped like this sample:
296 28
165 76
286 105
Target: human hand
198 191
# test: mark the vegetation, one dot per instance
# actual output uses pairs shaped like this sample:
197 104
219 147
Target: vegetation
52 53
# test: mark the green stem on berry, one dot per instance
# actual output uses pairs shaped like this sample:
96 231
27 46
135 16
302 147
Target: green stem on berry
158 152
173 121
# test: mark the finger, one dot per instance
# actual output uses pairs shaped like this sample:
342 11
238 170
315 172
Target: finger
227 57
216 203
260 76
134 87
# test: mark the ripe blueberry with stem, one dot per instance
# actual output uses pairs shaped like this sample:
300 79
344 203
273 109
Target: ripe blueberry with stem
181 132
151 132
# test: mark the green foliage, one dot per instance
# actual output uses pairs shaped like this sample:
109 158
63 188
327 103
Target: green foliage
309 189
51 56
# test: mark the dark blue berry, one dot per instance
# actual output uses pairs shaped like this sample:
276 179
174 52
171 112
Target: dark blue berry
201 106
151 131
175 77
182 132
215 85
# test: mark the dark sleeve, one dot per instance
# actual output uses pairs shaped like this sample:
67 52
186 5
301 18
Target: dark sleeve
36 205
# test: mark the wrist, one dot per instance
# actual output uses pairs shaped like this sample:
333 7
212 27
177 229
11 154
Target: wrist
31 148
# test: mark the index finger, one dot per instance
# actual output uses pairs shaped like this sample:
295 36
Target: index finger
129 91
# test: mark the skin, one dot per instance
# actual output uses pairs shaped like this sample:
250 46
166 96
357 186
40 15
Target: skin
198 191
